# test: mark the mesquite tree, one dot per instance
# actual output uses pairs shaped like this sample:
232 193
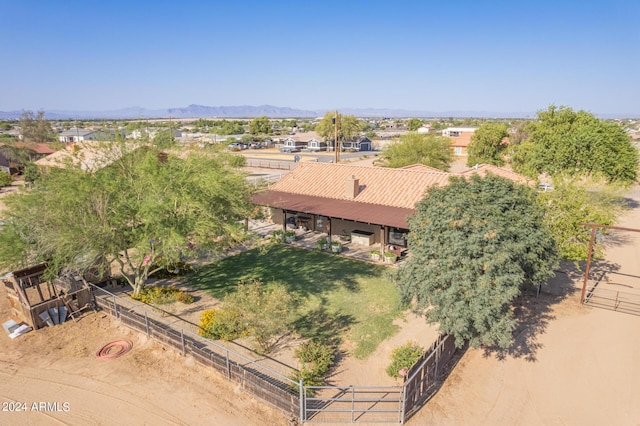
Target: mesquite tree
474 245
143 211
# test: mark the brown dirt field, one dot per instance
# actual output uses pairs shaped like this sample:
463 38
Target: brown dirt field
149 385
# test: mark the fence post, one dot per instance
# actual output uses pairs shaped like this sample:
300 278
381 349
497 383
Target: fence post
182 340
302 393
146 322
228 367
115 306
403 401
353 401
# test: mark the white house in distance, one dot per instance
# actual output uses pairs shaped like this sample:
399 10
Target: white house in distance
77 135
454 132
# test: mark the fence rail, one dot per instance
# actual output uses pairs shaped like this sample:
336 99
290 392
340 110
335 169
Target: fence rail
327 404
616 300
263 382
374 404
271 164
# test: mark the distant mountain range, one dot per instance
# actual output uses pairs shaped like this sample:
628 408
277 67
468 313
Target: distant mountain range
248 111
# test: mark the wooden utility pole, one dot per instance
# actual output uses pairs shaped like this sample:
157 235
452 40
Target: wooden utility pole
336 147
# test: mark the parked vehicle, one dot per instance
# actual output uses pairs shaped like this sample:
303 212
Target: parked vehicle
289 149
235 146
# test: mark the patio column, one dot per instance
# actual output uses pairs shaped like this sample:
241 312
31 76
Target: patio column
284 220
329 230
383 234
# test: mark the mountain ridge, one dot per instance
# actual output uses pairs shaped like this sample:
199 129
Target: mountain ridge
271 111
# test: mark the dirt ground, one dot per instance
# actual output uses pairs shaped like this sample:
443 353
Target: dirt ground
582 367
571 365
149 385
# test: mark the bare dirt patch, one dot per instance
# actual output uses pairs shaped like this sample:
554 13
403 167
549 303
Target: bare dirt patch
149 385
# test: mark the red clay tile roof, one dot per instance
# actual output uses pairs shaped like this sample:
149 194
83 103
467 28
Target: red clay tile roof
401 188
463 140
340 209
38 148
483 169
387 196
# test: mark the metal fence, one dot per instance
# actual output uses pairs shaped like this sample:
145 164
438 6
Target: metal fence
380 404
265 383
327 404
271 164
615 300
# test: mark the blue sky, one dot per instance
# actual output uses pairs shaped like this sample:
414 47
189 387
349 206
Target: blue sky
499 56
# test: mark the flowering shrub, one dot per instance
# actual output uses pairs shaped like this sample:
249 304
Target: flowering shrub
163 295
221 324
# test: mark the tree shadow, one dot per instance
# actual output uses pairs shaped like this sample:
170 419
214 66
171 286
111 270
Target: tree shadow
533 310
323 326
301 271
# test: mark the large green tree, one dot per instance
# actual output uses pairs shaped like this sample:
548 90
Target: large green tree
475 244
348 127
34 127
563 141
142 212
260 126
414 124
573 202
487 146
415 148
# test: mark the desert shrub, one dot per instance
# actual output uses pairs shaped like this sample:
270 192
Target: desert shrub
221 324
403 358
316 360
265 312
163 295
186 298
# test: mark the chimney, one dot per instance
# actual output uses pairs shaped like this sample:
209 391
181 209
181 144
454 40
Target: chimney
352 187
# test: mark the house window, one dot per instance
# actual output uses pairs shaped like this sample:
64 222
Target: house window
457 150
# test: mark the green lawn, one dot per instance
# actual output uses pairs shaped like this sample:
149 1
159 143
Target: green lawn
345 299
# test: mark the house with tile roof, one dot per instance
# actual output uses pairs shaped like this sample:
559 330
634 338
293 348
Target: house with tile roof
90 156
374 202
460 139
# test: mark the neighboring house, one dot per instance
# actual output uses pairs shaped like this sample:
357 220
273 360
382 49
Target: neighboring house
90 156
292 143
34 152
460 144
424 129
361 143
359 200
78 135
316 145
454 132
460 139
